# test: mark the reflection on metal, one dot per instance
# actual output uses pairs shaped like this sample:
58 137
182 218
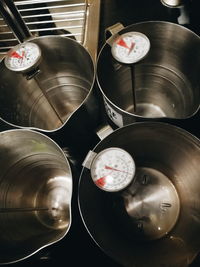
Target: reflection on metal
160 221
35 194
74 18
173 3
153 204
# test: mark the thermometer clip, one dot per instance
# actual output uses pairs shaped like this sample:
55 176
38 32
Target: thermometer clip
88 159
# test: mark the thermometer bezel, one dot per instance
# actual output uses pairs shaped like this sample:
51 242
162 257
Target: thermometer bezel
96 158
114 47
24 68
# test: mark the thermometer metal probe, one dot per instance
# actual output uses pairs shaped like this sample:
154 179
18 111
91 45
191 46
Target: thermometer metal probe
130 48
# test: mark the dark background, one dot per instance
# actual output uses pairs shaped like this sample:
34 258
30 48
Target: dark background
77 247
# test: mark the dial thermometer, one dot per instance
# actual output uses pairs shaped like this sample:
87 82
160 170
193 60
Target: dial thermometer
130 47
113 169
23 57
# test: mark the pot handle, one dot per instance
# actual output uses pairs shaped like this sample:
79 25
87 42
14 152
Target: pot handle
14 20
102 133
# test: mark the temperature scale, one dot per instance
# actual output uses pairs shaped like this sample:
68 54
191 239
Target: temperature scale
23 57
130 47
113 169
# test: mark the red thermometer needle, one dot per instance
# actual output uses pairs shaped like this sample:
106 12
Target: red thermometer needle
131 48
113 169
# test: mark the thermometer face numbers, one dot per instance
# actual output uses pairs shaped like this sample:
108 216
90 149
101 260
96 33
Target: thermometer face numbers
113 169
130 47
23 57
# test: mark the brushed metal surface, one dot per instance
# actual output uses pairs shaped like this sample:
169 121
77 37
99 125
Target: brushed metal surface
64 82
162 152
165 82
173 3
35 194
152 203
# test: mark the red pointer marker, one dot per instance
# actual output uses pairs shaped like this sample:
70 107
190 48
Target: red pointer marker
113 169
122 43
101 181
16 55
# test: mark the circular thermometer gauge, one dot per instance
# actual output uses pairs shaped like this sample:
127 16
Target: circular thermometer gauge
112 169
130 47
23 57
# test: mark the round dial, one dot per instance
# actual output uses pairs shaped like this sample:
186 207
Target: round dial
113 169
130 47
23 57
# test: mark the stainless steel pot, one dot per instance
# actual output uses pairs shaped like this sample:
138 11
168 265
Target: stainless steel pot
35 194
48 99
167 159
166 81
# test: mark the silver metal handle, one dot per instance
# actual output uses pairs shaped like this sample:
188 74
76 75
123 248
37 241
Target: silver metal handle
104 131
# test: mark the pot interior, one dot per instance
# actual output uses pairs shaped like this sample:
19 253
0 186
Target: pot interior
35 194
165 81
48 99
169 157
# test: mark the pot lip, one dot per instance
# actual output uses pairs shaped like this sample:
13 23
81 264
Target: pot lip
34 251
152 124
123 31
32 38
38 133
16 260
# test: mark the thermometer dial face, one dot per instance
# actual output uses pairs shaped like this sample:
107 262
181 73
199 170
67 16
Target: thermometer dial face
130 47
113 169
23 57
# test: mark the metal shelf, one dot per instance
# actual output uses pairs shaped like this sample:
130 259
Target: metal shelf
59 17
